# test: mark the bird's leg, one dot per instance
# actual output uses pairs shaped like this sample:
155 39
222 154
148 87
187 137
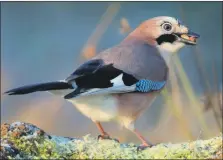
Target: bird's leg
101 129
145 143
104 135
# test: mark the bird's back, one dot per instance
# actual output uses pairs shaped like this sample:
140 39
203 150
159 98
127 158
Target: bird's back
137 58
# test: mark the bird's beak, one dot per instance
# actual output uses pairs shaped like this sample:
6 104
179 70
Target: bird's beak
189 38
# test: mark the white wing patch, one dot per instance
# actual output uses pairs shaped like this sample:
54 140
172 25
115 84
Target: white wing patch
117 81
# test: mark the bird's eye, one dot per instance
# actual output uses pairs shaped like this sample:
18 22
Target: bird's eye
167 26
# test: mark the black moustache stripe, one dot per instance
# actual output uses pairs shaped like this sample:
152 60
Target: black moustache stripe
166 38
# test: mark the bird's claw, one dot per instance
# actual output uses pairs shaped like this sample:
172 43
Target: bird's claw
143 147
107 137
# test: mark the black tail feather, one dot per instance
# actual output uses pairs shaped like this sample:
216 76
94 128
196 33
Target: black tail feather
39 87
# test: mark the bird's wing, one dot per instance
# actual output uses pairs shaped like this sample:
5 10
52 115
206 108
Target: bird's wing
96 77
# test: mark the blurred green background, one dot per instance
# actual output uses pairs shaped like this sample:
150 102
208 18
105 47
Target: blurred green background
44 41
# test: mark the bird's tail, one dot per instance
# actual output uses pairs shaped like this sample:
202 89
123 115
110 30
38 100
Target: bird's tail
53 87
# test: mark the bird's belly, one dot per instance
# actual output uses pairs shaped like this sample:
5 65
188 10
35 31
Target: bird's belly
131 106
98 108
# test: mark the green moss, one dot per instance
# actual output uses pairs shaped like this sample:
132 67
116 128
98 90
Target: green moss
40 148
34 148
43 147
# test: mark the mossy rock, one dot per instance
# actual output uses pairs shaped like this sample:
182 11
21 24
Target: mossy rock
26 141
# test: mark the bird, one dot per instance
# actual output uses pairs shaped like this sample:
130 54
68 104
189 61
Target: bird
121 82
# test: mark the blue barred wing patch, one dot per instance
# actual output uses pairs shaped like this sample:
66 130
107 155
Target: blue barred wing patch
144 85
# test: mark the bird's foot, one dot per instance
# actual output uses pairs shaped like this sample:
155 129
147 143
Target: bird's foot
106 136
144 146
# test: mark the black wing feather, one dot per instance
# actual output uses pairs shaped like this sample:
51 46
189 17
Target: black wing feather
86 68
96 74
39 87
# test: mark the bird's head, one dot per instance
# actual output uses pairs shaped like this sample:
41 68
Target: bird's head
166 33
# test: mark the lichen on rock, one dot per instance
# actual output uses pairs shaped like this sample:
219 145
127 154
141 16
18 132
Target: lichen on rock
26 141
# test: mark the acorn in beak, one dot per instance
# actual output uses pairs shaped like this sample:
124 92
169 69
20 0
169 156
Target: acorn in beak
189 38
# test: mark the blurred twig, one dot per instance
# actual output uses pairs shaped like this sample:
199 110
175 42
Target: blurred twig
191 95
177 104
124 26
89 50
207 89
217 99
